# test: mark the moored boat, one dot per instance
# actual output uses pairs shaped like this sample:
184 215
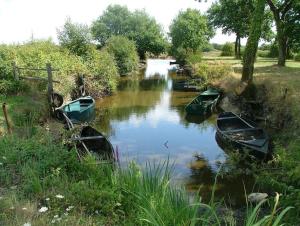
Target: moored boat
187 85
242 135
78 111
96 143
204 103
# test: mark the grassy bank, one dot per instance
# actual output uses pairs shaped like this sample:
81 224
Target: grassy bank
283 116
43 183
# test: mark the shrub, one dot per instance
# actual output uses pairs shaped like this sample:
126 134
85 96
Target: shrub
11 87
297 57
273 52
217 46
124 52
211 71
227 49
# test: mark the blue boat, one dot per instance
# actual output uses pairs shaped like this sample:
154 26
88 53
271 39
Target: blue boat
78 111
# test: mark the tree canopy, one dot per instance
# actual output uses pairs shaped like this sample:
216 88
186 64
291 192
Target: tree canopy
190 30
137 26
75 37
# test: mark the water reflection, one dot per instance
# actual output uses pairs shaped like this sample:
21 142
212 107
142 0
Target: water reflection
147 121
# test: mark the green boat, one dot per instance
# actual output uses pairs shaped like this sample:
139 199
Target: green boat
78 111
204 103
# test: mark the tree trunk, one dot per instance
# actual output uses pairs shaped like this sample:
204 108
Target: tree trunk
236 47
239 48
282 43
252 42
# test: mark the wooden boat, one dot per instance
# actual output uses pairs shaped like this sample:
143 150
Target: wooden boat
187 85
242 135
96 143
79 110
204 103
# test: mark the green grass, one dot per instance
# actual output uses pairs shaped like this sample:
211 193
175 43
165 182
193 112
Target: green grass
40 173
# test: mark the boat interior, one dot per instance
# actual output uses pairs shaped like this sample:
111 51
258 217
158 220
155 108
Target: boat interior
232 123
78 105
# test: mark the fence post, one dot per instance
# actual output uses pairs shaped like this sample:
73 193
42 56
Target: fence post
15 70
50 84
6 118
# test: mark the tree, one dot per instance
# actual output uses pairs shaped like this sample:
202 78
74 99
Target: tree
252 42
190 31
234 16
280 9
137 26
293 28
75 37
124 52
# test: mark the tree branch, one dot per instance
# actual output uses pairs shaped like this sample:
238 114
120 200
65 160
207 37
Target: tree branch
272 6
286 7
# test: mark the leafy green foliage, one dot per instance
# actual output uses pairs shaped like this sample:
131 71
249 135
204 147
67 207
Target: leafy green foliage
98 66
297 57
124 52
75 37
227 49
273 52
11 87
137 26
189 31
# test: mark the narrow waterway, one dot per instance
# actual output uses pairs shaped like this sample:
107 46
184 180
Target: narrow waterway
145 120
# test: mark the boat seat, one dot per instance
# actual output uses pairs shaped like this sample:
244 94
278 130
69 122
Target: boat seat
240 130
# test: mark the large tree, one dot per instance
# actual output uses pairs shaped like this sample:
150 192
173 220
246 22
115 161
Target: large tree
234 16
190 31
293 28
75 37
137 26
280 9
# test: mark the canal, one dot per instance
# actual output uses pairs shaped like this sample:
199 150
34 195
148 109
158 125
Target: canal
145 120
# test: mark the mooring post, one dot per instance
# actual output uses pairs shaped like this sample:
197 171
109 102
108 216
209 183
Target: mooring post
50 84
6 118
15 70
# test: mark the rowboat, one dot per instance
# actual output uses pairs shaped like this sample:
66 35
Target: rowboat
189 85
204 103
94 142
242 135
78 111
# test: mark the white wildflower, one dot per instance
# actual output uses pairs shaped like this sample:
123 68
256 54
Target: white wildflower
96 212
47 199
43 209
55 216
59 196
12 208
3 157
1 164
69 208
27 224
24 208
1 197
66 214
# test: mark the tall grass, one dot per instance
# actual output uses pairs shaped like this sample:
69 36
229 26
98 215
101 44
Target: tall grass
38 172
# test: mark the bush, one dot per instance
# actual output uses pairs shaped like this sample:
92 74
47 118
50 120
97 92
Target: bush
297 57
211 71
217 46
227 49
11 87
99 67
273 50
124 52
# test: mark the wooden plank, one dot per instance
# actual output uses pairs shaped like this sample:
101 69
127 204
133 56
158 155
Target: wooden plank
36 69
15 71
9 129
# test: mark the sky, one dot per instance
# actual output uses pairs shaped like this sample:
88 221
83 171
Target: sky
20 20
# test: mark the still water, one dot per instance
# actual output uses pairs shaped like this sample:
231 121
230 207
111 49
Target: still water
146 121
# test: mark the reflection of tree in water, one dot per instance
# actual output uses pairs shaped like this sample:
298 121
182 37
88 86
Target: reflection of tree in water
135 97
230 186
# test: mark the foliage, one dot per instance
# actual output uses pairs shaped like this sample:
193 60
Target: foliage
137 26
96 65
212 70
124 52
189 32
75 37
293 27
227 49
297 57
273 52
217 46
11 87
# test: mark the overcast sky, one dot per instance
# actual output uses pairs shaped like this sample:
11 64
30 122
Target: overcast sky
22 19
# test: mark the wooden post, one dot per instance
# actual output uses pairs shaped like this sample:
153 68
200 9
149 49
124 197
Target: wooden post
15 71
6 118
50 84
